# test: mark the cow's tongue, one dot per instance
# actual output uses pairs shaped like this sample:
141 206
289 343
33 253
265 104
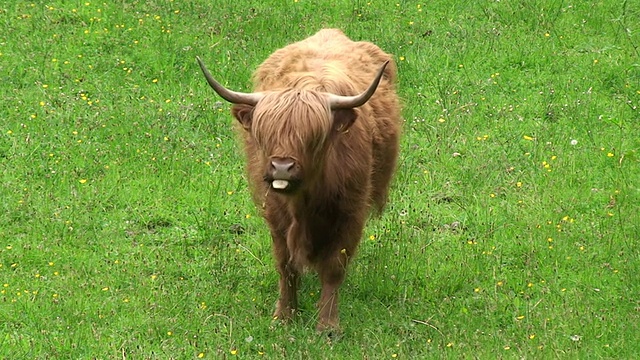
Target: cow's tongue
280 184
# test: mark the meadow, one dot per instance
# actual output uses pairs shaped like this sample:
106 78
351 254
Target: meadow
127 230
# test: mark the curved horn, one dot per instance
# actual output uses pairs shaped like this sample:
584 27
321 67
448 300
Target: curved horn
349 102
229 95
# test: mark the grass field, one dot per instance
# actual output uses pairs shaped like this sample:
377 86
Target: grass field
127 230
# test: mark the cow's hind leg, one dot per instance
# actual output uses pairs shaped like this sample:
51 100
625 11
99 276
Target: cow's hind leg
386 156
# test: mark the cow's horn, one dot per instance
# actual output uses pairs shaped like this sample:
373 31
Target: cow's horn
229 95
349 102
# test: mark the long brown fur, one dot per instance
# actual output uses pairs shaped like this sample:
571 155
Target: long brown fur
347 164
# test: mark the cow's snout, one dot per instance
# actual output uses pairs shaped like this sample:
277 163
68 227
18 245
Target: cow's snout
283 173
281 168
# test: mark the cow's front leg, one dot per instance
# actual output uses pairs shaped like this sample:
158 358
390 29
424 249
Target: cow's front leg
289 275
288 302
332 274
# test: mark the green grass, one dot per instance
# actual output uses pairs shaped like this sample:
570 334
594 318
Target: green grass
127 230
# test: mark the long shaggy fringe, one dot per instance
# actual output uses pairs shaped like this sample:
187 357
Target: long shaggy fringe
293 121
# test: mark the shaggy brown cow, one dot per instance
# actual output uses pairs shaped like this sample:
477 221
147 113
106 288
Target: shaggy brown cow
321 138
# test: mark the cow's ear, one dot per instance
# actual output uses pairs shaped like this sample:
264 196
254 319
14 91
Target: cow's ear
343 119
244 114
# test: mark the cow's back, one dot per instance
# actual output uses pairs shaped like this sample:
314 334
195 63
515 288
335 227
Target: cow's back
329 54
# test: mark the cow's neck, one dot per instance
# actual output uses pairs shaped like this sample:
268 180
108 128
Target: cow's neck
310 203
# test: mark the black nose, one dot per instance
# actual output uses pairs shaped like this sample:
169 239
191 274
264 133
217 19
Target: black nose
281 167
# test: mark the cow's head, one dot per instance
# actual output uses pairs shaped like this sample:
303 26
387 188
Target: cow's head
292 127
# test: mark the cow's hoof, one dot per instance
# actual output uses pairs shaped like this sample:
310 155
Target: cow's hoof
332 335
284 316
331 331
